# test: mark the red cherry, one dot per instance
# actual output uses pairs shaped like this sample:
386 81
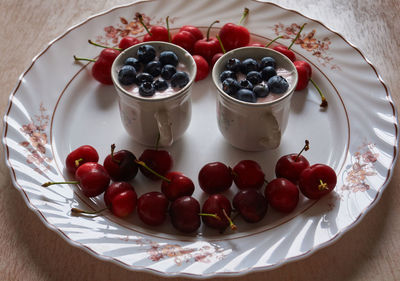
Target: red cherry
248 174
152 208
202 68
304 73
120 198
282 195
290 166
284 50
215 177
159 161
121 165
219 208
193 30
114 189
178 185
185 40
184 213
208 46
317 181
215 58
250 204
234 36
79 156
93 179
156 32
128 41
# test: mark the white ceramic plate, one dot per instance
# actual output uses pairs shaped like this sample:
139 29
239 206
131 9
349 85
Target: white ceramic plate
57 106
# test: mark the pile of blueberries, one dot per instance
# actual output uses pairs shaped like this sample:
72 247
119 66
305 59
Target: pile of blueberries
259 79
151 74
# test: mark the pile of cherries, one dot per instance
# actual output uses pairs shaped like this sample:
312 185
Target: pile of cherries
113 180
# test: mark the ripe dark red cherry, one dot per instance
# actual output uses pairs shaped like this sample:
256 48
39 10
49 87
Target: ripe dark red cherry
317 181
158 160
178 185
128 41
304 73
234 36
250 204
282 195
93 179
156 32
185 40
248 174
121 165
193 30
219 205
120 198
152 208
284 50
215 177
208 46
202 68
79 156
184 213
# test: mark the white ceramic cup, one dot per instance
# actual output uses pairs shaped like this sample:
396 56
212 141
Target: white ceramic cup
253 126
148 118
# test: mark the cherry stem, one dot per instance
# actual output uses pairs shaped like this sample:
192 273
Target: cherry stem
244 15
215 216
305 148
169 33
80 211
112 154
209 29
103 46
322 185
220 43
140 17
85 59
46 184
269 44
297 36
144 165
231 224
324 102
78 161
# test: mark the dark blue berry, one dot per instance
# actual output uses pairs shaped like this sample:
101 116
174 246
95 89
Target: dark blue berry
167 71
278 84
146 89
254 77
261 90
153 68
168 57
227 74
249 65
234 65
267 61
246 95
230 86
267 72
146 53
246 84
160 85
179 79
127 75
144 77
134 62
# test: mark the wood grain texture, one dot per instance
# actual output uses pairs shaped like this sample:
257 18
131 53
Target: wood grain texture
30 251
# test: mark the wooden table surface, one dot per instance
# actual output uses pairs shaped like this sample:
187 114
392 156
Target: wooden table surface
30 251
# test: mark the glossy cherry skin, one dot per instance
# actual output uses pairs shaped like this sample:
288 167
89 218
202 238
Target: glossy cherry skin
193 30
184 213
120 198
304 71
152 208
179 185
250 204
215 177
215 204
158 160
284 50
207 48
121 165
101 69
290 167
282 195
79 156
234 36
93 179
185 40
317 181
202 68
215 58
158 33
128 41
248 174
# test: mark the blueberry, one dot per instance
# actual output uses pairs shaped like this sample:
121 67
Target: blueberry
234 65
127 75
168 57
144 77
254 77
278 84
249 65
267 72
146 53
246 95
179 79
261 90
246 84
167 71
267 61
227 74
134 62
160 85
146 89
153 68
230 86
